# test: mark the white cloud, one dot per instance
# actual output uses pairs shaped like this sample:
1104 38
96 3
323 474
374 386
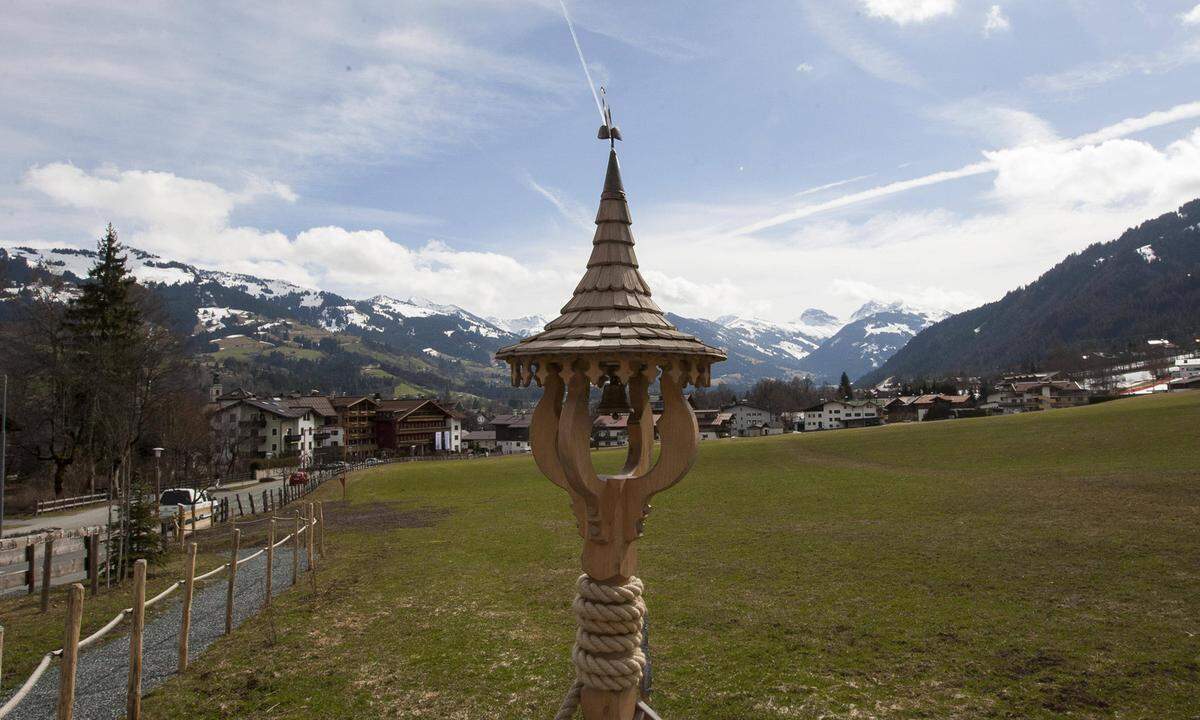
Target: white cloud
1114 174
189 220
1004 126
1191 17
995 21
843 38
1123 128
1094 74
905 12
287 93
571 211
804 68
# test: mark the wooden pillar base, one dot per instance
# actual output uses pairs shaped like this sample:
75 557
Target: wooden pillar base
608 705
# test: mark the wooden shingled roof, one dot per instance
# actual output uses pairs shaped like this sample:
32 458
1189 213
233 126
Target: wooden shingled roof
611 309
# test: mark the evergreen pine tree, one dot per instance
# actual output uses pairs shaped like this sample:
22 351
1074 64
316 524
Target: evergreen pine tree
142 539
104 316
845 389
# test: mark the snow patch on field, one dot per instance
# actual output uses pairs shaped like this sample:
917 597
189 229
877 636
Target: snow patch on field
212 319
889 329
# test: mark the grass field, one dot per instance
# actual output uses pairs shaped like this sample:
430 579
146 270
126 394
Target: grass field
1043 565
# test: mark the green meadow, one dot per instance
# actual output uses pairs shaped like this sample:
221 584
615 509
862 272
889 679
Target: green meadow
1035 566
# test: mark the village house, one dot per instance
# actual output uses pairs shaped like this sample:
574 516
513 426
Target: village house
480 441
416 427
250 427
512 433
839 414
356 415
610 430
714 424
748 421
1033 395
329 439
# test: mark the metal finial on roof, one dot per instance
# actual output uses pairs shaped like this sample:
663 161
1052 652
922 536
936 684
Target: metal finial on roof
608 131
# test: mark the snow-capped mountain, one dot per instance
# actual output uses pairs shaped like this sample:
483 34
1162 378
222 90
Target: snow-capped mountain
816 343
212 306
523 326
875 332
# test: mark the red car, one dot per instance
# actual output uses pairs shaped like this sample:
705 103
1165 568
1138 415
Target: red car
298 478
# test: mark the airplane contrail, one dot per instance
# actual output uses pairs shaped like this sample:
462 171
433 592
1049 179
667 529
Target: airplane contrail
582 61
1124 128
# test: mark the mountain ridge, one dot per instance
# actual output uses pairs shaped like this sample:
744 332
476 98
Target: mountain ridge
210 305
1144 284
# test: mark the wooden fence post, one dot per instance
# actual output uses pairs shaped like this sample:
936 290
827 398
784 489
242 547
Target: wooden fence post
270 559
31 573
193 518
296 549
133 701
266 499
93 562
189 582
239 499
47 567
309 519
182 529
233 564
1 654
70 656
321 524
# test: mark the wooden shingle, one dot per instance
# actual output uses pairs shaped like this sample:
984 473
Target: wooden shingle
611 308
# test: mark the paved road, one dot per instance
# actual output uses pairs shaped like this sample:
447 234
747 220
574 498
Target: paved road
98 514
102 676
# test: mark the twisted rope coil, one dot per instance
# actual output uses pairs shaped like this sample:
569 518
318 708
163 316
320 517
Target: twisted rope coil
608 639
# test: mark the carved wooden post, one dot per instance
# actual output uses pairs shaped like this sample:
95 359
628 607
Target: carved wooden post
613 336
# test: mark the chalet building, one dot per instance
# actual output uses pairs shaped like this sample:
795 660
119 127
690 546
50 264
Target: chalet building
480 441
254 428
328 436
940 406
610 431
356 415
412 428
839 414
899 409
1187 382
747 420
1033 395
714 424
512 433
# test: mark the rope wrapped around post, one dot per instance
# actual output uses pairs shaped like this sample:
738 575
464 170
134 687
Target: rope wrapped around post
608 639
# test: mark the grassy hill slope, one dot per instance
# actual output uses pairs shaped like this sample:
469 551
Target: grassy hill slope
1029 566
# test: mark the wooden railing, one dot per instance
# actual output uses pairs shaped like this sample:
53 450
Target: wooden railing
68 502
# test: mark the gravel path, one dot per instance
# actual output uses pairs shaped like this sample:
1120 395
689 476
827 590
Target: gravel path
103 672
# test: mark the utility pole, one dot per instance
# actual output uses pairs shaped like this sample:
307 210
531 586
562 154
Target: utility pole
3 451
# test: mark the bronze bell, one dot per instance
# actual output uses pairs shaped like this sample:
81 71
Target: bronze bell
614 400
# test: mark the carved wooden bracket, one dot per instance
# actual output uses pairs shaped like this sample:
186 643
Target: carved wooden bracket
610 509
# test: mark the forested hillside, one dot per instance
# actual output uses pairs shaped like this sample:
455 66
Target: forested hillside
1144 285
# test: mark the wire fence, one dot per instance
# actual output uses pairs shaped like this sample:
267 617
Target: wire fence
308 522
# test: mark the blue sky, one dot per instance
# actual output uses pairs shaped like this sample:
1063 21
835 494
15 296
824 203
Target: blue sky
778 155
